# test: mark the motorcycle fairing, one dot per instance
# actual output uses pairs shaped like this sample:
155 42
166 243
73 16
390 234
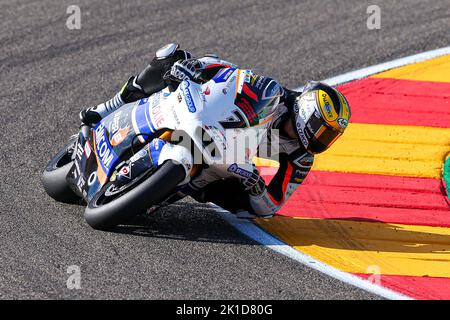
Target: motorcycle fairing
107 146
192 108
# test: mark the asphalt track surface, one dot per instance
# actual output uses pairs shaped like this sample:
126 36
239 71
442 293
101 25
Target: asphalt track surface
49 73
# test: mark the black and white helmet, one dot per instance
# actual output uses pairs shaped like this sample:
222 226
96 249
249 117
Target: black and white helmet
320 116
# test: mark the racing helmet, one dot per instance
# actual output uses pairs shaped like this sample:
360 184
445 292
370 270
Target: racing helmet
320 116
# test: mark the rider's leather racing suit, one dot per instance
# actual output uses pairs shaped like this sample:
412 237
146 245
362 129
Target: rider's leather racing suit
295 161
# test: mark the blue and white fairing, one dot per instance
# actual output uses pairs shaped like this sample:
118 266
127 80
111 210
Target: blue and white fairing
192 109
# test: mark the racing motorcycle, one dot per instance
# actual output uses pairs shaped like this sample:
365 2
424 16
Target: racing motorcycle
145 151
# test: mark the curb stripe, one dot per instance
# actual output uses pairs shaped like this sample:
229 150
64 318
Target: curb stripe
388 150
433 70
418 287
410 102
402 200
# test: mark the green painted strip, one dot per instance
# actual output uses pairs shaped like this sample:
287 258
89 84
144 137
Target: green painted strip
447 175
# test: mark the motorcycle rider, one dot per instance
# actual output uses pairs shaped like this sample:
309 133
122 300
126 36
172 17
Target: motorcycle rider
308 123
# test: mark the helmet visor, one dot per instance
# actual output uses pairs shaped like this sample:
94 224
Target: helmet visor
314 134
322 139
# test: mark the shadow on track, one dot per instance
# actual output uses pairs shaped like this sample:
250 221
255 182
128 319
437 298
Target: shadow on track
173 223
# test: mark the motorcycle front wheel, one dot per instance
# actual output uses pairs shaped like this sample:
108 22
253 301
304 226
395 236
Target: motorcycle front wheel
111 207
55 173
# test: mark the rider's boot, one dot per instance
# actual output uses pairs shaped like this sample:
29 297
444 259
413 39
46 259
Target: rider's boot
131 91
149 81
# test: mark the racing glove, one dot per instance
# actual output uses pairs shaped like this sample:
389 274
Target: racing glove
254 184
185 69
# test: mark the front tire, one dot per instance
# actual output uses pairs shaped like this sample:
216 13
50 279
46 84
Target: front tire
55 173
105 215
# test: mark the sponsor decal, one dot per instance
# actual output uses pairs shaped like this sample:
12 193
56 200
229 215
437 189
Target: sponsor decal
156 114
125 172
143 101
234 168
303 138
299 123
188 97
260 82
87 149
305 108
79 152
271 90
115 124
119 136
221 72
229 84
223 75
156 99
304 162
303 115
343 123
248 75
81 183
175 116
141 154
207 91
228 74
275 90
77 171
104 151
327 106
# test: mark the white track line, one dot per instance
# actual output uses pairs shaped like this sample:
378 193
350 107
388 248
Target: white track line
365 72
256 233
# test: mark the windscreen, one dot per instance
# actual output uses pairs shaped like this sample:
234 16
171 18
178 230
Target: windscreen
258 98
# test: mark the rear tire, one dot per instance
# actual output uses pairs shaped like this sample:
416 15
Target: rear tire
149 192
55 173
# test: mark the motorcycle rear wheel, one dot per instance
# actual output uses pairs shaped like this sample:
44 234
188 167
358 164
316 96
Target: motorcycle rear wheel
105 214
